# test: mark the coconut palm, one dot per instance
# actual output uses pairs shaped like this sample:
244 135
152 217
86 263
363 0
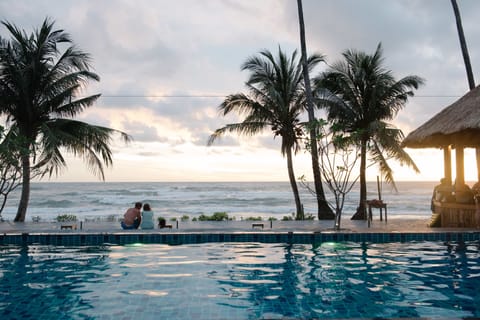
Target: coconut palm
39 88
361 96
468 65
324 210
463 45
275 100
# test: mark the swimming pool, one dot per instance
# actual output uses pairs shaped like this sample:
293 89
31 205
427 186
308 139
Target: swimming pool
241 281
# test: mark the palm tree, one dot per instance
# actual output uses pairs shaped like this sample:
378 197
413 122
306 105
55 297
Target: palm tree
360 96
39 86
276 100
324 210
468 66
463 45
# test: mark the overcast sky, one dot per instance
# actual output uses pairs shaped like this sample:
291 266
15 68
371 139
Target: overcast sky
165 66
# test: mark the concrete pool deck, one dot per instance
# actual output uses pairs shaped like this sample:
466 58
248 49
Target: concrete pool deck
396 225
89 233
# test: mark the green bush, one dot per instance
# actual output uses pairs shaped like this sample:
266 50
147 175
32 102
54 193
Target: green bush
66 218
220 216
185 218
272 219
287 218
254 219
309 216
217 216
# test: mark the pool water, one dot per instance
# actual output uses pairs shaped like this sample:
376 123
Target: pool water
241 281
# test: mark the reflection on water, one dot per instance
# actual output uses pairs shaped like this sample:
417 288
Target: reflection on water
241 281
48 282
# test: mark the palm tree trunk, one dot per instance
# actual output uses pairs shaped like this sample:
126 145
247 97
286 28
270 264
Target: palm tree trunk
468 65
324 210
293 184
361 213
25 196
463 45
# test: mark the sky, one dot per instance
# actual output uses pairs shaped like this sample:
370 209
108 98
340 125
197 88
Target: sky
166 66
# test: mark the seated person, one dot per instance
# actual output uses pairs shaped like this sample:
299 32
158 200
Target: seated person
147 217
463 194
132 217
443 191
476 188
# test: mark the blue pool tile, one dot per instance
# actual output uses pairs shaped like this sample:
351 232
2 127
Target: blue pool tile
76 239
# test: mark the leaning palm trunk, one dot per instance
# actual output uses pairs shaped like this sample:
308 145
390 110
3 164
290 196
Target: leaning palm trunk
468 65
25 196
293 184
324 210
463 45
361 210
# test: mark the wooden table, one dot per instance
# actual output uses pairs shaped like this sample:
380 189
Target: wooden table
378 204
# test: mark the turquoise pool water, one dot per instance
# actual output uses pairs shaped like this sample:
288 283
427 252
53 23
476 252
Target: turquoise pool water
241 281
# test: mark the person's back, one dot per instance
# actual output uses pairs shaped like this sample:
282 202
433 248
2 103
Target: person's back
132 218
147 217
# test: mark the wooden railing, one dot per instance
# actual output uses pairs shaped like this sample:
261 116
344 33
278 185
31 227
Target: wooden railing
456 215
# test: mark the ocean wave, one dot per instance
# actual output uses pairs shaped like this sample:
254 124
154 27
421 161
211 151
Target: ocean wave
53 203
176 199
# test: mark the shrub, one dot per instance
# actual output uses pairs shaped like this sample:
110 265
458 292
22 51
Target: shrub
217 216
66 218
185 218
287 218
254 219
220 216
309 216
272 219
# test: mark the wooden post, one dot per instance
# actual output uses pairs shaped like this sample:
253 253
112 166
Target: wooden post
379 189
447 162
477 153
460 178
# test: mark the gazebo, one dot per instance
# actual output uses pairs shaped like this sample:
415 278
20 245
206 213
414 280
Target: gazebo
455 127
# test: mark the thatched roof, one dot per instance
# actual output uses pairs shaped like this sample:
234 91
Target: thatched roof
457 124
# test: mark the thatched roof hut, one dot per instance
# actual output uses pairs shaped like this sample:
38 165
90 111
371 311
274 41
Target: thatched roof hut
456 125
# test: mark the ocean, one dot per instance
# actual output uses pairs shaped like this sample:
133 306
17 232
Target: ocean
174 199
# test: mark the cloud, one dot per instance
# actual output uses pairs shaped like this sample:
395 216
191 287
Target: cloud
165 66
142 132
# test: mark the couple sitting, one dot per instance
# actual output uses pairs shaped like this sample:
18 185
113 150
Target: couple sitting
134 218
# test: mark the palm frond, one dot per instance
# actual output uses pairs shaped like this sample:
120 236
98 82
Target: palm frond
275 98
72 108
390 139
377 157
79 138
243 128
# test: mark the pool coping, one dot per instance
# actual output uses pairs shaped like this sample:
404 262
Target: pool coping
178 238
99 233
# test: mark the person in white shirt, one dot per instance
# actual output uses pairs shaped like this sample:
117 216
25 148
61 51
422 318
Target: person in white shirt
147 217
